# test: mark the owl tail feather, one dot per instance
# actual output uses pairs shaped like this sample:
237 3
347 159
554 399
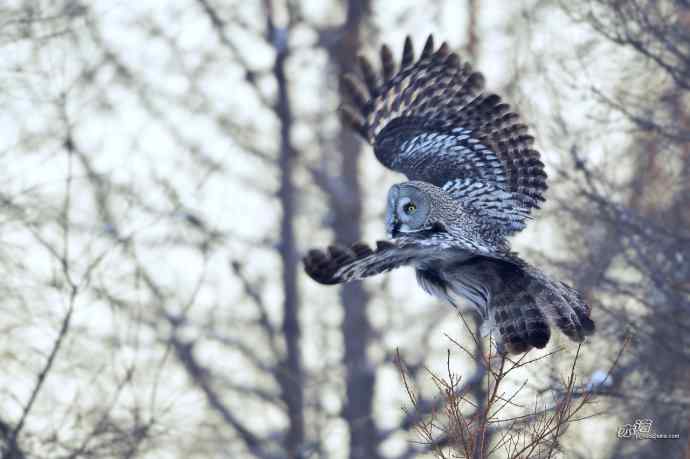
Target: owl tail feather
529 302
522 303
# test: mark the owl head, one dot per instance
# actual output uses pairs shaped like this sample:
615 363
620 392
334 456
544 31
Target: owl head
416 208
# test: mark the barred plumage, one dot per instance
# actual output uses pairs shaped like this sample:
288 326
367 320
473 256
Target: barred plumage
474 179
431 121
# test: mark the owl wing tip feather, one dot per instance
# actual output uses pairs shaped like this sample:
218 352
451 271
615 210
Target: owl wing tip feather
338 264
319 267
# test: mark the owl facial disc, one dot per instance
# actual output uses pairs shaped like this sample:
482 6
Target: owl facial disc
408 210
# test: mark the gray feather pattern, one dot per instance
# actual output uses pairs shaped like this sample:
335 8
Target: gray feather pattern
474 179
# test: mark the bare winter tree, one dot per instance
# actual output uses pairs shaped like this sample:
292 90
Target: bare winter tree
345 200
164 167
633 215
131 211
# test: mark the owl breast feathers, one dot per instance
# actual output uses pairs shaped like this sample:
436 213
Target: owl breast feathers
474 179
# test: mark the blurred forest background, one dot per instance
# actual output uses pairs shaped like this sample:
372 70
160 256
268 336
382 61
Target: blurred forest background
166 164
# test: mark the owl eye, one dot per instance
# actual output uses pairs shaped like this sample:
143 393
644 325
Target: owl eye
409 208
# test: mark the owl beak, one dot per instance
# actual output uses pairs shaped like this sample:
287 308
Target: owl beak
392 223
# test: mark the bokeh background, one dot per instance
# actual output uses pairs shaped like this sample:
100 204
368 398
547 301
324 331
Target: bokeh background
165 165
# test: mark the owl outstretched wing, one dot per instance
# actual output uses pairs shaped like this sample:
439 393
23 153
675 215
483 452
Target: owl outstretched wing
431 121
340 264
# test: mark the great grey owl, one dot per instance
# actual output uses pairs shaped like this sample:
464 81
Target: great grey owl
474 178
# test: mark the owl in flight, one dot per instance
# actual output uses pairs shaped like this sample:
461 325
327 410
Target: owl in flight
473 177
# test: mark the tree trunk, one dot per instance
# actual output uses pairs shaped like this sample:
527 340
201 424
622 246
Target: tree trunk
290 371
356 329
